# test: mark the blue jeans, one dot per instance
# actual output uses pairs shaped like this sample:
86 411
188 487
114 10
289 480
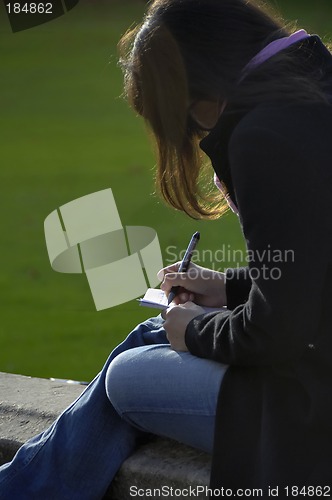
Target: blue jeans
144 386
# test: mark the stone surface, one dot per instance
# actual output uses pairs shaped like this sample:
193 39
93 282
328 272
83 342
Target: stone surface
162 466
29 405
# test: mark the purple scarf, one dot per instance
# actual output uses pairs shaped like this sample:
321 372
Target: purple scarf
272 49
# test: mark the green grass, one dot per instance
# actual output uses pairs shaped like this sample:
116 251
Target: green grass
64 133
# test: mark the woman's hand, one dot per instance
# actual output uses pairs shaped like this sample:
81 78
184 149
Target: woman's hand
199 284
176 321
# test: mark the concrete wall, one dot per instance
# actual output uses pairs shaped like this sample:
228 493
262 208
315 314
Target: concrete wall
29 405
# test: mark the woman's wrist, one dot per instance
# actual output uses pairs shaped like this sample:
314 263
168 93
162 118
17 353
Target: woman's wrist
219 279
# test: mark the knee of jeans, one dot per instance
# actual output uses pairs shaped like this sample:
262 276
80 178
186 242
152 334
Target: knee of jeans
116 382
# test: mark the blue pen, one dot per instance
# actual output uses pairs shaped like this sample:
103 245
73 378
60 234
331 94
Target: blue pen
185 263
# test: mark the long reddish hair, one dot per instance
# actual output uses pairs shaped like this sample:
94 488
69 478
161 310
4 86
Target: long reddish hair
190 50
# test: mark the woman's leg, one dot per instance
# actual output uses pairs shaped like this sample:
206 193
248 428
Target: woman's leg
77 457
169 393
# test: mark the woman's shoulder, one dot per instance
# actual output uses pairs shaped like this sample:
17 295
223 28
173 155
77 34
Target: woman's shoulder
289 141
291 120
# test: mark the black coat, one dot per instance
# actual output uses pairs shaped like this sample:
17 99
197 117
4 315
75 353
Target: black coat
274 415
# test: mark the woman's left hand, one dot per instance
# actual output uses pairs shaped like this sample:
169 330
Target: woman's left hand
176 321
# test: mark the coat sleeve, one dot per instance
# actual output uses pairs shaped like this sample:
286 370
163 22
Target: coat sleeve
238 285
281 205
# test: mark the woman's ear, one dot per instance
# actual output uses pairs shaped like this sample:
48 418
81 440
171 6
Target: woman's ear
206 113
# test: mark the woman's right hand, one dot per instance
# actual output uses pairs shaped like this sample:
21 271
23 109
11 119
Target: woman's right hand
203 286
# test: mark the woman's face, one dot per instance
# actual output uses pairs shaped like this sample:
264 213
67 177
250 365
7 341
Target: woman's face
206 113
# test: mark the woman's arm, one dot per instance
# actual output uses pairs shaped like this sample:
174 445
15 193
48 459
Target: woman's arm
281 202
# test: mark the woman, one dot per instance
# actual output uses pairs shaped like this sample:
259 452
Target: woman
250 384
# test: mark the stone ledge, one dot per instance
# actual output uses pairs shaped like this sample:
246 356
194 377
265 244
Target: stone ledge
29 405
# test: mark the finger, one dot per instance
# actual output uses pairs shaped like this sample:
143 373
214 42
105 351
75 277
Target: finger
189 305
187 280
173 268
170 279
164 312
183 297
181 290
168 269
192 307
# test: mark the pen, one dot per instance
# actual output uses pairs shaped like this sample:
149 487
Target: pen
185 263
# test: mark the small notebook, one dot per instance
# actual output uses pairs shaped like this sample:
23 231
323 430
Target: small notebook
156 298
